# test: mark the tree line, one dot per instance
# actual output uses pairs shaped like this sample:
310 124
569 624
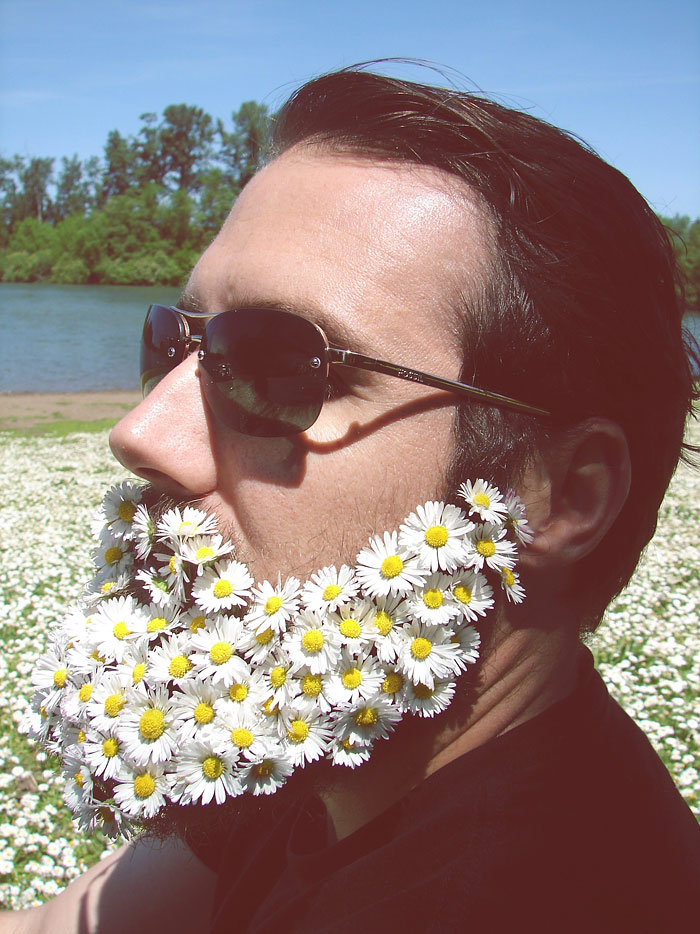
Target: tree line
143 213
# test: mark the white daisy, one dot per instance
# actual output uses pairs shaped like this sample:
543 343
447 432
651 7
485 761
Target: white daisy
158 588
112 554
274 607
516 519
117 623
171 569
393 684
103 755
468 640
329 589
215 652
204 773
510 582
367 722
384 619
170 662
147 727
355 678
305 735
472 593
133 670
427 701
349 753
203 550
141 790
385 569
266 775
434 603
247 693
77 791
244 732
51 674
159 620
119 507
278 680
144 532
313 691
176 524
195 708
194 619
74 704
427 653
108 703
221 587
104 585
484 500
312 642
435 533
354 624
256 646
487 544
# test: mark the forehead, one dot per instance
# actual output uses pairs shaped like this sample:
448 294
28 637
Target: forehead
375 252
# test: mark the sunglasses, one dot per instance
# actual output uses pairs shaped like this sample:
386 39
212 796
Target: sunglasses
264 371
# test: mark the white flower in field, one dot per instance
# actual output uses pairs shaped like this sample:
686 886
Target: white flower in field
205 773
484 501
435 533
225 585
195 709
141 790
215 652
201 551
117 622
312 642
329 589
176 525
487 545
427 653
472 593
434 603
274 607
119 507
112 554
356 677
385 569
305 735
103 753
147 727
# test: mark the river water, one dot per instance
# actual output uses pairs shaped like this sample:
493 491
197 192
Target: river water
70 338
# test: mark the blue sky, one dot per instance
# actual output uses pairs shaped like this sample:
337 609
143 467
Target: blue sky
623 75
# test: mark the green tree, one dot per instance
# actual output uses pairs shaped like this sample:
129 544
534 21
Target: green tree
120 165
35 177
72 190
685 236
242 149
185 137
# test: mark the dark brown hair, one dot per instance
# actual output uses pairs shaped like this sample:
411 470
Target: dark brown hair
582 313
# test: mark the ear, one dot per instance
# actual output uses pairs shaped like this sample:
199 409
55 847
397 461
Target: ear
576 492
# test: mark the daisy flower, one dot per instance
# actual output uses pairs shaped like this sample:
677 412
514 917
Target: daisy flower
245 694
366 722
256 646
472 593
215 652
329 589
312 642
106 584
516 520
393 684
52 676
77 792
147 728
169 661
427 701
353 624
435 533
355 678
119 507
175 524
484 500
273 607
194 620
143 530
118 622
277 679
305 735
112 555
266 775
74 704
157 587
203 550
141 790
487 544
385 617
171 569
510 582
133 670
102 754
313 691
386 569
195 708
245 733
159 620
434 603
349 753
204 773
427 653
467 640
221 587
108 703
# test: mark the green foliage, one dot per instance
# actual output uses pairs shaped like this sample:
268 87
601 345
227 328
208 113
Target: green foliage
685 235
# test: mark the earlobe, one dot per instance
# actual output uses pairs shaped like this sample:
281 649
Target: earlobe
582 489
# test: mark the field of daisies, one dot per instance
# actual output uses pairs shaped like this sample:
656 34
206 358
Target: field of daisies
648 648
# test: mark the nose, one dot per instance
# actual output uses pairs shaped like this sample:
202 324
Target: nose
166 438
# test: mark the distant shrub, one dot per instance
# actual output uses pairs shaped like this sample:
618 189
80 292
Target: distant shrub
24 266
70 270
152 268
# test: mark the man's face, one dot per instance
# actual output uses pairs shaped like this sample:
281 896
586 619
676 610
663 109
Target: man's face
376 255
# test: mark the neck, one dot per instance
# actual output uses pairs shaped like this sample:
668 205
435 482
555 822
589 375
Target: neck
523 672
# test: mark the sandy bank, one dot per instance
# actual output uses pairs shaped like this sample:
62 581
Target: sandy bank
28 410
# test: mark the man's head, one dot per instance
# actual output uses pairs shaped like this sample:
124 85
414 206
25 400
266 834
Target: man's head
452 235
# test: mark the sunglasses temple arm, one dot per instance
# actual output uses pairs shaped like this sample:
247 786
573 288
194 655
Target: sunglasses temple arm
363 362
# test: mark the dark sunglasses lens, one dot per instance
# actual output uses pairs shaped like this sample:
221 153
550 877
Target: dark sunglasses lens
162 346
264 371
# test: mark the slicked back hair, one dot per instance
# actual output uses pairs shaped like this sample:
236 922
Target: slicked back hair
582 314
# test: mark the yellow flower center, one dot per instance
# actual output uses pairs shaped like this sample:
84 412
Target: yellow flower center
366 717
197 624
383 622
298 731
262 638
113 555
222 589
462 593
507 577
110 747
278 676
114 704
421 648
203 713
422 691
79 780
351 678
331 592
60 676
157 624
272 604
120 631
433 599
242 737
348 744
263 769
138 673
391 566
486 548
269 707
436 536
172 564
126 511
312 685
212 768
144 785
350 628
204 553
220 652
312 640
152 723
238 692
393 683
179 666
85 692
82 736
481 499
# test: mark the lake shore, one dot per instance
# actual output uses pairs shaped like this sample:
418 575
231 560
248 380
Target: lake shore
26 411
